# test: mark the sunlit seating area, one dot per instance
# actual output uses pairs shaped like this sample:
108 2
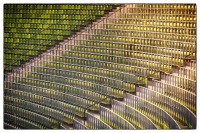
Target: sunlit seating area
100 66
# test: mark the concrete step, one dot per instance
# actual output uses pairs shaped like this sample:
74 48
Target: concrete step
66 126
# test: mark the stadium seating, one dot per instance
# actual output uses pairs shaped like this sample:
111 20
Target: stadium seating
134 68
95 123
114 120
79 125
135 117
160 117
32 28
180 113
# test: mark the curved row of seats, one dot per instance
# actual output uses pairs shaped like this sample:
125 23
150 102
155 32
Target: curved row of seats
21 123
154 64
139 54
9 126
86 84
182 82
114 120
167 6
176 109
139 120
59 6
179 94
187 73
79 125
44 121
64 97
112 84
160 117
49 102
41 111
95 123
